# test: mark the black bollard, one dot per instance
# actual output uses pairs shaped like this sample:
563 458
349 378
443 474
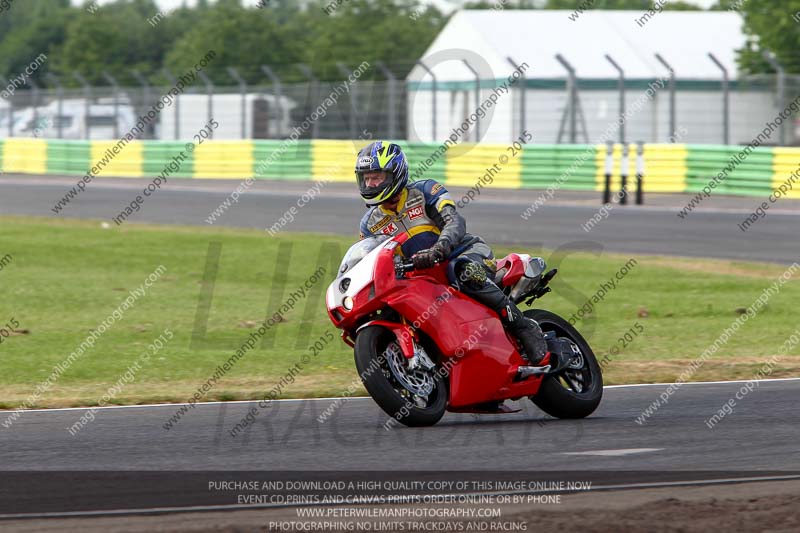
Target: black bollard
623 170
609 170
639 172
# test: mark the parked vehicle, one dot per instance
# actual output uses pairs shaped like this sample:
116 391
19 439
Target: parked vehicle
73 119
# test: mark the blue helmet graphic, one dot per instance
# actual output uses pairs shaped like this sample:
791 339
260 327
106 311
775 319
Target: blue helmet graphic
380 156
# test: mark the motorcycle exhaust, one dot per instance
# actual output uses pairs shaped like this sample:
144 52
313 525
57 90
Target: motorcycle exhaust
528 371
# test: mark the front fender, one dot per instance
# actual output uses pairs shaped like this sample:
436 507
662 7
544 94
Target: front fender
404 334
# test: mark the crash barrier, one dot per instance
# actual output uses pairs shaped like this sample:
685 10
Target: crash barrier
667 167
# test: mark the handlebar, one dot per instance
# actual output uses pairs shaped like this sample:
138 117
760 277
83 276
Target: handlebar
401 267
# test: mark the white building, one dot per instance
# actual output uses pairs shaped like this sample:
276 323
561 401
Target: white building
533 38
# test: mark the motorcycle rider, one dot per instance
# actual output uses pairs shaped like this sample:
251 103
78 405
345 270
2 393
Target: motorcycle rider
425 210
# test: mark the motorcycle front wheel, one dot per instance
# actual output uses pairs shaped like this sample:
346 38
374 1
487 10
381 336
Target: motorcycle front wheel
413 397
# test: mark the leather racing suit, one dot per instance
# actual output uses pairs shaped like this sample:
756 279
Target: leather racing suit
427 213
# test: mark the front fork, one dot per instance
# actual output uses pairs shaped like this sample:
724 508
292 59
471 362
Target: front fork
407 339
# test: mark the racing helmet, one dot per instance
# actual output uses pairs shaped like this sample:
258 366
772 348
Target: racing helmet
380 156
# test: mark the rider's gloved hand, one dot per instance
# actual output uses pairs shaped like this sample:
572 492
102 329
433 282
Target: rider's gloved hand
435 254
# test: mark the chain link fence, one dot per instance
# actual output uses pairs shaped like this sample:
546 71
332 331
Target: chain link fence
686 111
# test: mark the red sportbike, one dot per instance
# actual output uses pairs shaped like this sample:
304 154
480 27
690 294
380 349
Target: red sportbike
423 348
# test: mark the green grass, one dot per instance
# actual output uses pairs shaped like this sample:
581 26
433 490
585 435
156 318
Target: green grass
65 278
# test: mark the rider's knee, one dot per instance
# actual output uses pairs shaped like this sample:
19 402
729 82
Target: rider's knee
471 273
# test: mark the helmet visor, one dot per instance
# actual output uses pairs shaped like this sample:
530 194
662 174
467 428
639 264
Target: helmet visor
373 182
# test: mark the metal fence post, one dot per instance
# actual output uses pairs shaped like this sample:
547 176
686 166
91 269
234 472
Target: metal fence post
174 81
210 100
781 89
10 110
60 96
115 86
276 91
621 85
672 121
243 90
391 80
522 99
353 97
573 98
477 99
34 102
725 99
145 88
433 96
313 84
87 96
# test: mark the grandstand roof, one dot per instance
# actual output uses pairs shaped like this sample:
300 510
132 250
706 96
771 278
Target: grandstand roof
683 38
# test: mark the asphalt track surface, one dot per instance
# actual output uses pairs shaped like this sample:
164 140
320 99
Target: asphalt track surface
710 231
762 434
758 439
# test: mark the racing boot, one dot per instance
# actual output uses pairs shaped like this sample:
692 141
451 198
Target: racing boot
527 331
475 284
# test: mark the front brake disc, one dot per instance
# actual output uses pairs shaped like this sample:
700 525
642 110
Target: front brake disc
417 381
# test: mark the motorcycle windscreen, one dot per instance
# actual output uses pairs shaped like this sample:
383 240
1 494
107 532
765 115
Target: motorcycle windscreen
359 251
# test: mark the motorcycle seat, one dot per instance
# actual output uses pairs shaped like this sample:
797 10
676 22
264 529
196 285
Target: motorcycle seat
513 266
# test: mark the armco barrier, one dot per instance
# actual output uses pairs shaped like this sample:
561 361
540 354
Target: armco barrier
65 157
574 166
740 173
158 156
668 167
785 162
26 156
468 163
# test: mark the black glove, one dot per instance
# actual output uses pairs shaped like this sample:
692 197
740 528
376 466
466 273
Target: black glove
436 254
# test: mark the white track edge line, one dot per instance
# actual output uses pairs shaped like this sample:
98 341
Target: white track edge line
630 385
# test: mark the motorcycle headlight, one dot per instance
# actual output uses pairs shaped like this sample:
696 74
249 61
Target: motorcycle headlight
347 303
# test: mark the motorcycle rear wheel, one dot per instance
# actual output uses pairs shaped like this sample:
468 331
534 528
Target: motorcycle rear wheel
571 393
374 345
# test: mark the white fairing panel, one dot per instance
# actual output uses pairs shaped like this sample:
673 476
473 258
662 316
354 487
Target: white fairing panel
360 276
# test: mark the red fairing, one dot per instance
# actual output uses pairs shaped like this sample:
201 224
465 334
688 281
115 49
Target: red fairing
515 266
480 359
405 335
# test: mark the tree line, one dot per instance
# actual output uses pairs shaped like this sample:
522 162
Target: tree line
128 36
